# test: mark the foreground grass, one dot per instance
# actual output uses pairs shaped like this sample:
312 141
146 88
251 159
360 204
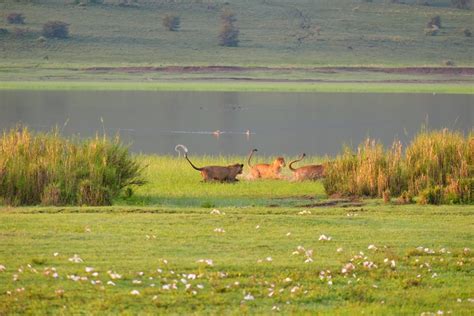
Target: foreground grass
459 88
154 244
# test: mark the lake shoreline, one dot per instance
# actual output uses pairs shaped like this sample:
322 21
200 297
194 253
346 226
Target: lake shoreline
244 86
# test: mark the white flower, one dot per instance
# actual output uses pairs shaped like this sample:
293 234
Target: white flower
329 282
219 230
215 212
435 275
294 289
110 283
393 264
137 282
209 262
288 234
339 249
257 227
155 298
269 259
56 254
166 287
114 275
159 270
308 260
305 212
191 276
89 269
249 297
275 308
140 273
200 286
324 238
76 259
135 292
287 280
2 268
372 247
349 267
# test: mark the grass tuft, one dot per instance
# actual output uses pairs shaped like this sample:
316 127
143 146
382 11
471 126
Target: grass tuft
45 168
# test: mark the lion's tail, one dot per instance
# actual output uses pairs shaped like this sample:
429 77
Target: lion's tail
294 161
250 156
185 150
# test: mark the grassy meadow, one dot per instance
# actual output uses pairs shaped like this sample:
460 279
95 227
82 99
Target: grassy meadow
288 37
179 246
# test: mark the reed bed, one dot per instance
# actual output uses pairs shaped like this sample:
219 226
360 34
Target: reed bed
437 166
47 169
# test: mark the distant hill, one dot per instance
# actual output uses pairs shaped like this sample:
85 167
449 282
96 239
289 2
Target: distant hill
272 33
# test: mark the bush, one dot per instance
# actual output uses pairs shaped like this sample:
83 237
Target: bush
437 165
171 22
434 22
56 29
48 169
467 32
15 18
461 4
369 172
436 159
229 33
432 195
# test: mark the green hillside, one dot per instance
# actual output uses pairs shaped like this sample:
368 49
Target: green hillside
272 33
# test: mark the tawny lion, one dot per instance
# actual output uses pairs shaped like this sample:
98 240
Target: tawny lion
266 171
215 173
309 172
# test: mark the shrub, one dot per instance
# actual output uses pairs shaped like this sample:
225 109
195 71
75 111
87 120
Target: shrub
436 158
369 172
461 4
467 32
15 18
432 195
437 165
229 33
56 29
47 169
434 22
171 22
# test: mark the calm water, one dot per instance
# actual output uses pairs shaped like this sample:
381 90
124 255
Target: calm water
279 123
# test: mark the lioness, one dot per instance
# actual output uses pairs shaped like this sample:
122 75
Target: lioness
215 173
309 172
266 171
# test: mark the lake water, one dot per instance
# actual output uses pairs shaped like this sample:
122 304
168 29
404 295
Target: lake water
275 123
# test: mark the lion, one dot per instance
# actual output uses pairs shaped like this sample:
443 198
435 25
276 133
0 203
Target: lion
215 173
309 172
266 171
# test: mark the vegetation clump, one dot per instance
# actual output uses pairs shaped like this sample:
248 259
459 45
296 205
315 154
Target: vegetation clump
462 4
16 18
229 33
45 168
56 29
171 22
438 166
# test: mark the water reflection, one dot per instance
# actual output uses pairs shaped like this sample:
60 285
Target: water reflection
234 122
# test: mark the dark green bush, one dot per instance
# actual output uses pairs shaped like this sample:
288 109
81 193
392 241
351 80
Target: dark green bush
56 29
171 22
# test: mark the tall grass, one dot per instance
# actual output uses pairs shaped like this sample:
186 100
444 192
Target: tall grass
45 168
437 165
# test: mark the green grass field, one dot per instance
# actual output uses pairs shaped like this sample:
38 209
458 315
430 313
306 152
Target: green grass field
351 33
152 243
